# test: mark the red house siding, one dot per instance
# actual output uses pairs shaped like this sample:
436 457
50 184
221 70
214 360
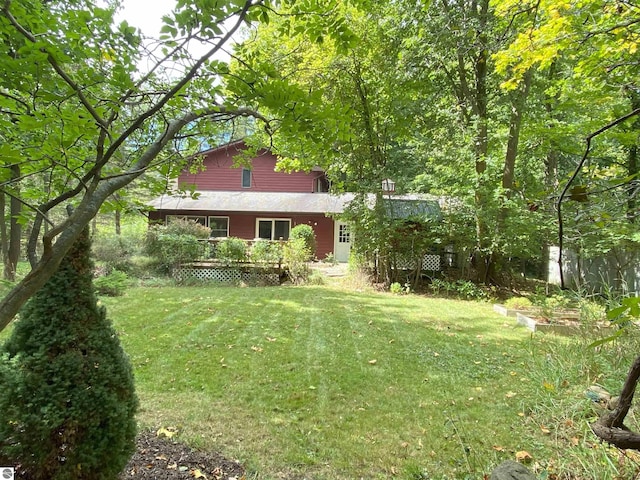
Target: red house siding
243 225
220 173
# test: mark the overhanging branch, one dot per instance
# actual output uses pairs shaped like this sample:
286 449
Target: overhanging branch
563 195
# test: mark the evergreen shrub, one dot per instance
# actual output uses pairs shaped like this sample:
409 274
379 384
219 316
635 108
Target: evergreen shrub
67 396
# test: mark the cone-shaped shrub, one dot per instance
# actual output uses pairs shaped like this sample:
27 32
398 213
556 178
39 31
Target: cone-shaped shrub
67 401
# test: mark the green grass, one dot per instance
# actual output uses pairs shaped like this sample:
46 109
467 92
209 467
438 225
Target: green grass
320 383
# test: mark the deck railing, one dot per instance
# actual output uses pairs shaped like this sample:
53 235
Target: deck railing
266 257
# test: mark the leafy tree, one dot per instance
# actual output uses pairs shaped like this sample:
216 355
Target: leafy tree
359 120
68 400
588 50
83 122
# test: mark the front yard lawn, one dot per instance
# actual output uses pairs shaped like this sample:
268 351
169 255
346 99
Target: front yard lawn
319 383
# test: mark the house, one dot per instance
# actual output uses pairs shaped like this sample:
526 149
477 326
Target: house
256 201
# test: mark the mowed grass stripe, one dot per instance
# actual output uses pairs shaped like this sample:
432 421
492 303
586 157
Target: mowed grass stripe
316 382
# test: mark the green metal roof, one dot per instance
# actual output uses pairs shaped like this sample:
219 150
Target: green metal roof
418 210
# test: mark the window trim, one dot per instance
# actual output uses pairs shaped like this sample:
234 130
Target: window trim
273 226
218 216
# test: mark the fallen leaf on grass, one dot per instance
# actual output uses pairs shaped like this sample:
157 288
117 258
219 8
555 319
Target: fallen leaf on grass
523 456
545 430
271 339
498 448
373 362
167 432
510 394
256 349
196 473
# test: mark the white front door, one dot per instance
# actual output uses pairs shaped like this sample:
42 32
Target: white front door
342 244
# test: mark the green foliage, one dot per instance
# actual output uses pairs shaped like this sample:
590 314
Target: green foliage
175 244
550 305
181 226
395 288
231 250
624 317
518 303
463 289
263 251
116 252
398 288
330 258
295 256
113 284
68 400
305 232
171 250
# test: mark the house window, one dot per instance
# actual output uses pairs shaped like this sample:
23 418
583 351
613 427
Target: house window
344 235
321 185
201 220
219 226
273 229
246 178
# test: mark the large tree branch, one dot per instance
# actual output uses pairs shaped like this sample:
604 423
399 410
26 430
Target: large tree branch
66 233
610 427
190 74
73 226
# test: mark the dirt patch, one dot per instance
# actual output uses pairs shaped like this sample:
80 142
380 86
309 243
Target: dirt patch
159 458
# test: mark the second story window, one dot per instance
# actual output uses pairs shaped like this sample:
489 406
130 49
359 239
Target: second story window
246 178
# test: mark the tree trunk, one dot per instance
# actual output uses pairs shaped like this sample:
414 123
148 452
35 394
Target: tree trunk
632 163
518 105
483 256
4 241
117 220
15 232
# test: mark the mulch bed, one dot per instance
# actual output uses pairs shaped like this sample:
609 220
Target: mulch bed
160 458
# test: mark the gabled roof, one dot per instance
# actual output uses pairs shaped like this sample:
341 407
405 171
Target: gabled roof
417 207
283 202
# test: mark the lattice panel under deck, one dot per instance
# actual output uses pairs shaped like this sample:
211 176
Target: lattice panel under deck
225 275
429 262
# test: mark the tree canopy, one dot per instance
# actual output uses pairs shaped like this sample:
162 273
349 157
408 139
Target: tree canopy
90 107
486 102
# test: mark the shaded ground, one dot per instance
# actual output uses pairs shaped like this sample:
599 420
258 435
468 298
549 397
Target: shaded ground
159 458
